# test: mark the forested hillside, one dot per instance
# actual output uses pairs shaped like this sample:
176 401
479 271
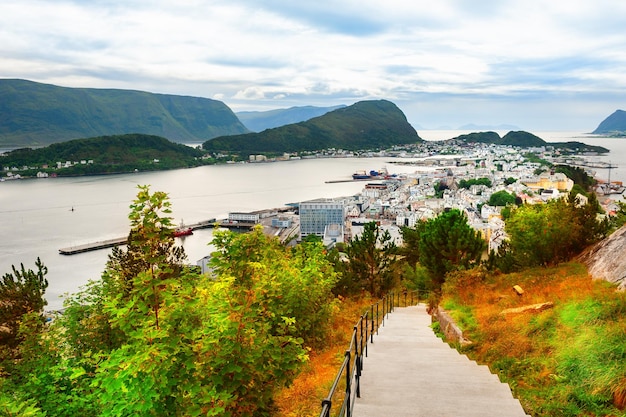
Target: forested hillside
39 114
364 125
106 154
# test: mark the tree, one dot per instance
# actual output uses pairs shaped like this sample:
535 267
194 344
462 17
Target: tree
546 234
440 188
578 175
292 282
475 181
150 242
502 198
154 337
449 243
21 292
411 237
371 262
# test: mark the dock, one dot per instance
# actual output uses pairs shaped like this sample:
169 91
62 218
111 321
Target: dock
88 247
236 225
104 244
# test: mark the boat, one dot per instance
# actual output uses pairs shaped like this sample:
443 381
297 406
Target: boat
362 175
183 230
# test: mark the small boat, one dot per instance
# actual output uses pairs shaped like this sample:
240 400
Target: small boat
183 230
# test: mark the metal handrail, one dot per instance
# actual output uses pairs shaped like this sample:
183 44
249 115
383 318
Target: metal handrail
363 334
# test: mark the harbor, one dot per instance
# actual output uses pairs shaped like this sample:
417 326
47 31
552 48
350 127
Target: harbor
249 221
109 243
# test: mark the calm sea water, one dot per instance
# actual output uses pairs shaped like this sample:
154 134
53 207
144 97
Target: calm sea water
36 216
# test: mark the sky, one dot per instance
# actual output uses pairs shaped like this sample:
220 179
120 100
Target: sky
537 65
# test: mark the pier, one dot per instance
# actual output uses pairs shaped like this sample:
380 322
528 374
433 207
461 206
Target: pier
87 247
104 244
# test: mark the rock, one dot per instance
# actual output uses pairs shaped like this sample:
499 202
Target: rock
533 308
607 259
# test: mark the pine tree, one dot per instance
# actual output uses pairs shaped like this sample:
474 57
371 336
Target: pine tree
449 243
21 292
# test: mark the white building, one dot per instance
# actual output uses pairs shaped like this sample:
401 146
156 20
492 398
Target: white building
315 215
243 217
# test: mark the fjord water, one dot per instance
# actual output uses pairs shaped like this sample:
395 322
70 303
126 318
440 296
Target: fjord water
40 216
36 216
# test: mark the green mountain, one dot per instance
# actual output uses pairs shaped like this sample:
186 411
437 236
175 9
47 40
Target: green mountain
39 114
364 125
258 121
615 124
106 154
526 140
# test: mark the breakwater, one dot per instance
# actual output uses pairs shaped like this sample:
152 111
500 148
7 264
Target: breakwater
109 243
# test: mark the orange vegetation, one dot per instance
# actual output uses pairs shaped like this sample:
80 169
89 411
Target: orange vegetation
304 397
530 350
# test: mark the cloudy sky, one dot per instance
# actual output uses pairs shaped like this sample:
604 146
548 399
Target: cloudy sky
535 64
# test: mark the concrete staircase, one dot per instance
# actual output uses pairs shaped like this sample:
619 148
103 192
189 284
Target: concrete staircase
411 372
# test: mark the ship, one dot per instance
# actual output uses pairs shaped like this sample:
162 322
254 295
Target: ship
377 175
183 230
361 175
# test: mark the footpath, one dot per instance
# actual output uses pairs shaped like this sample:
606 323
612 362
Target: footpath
410 372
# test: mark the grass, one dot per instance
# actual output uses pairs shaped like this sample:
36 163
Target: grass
569 360
304 397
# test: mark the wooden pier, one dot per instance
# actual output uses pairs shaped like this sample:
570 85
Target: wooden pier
104 244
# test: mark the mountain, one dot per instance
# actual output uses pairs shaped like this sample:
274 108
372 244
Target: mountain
364 125
526 140
258 121
614 124
473 126
38 114
106 154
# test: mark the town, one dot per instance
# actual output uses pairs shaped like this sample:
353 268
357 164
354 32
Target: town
447 176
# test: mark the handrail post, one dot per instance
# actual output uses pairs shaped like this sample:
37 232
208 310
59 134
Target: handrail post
372 321
363 317
348 391
359 367
329 403
377 319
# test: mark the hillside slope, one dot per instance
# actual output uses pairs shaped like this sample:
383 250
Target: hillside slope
364 125
258 121
39 114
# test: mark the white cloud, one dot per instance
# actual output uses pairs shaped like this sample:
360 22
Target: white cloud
281 53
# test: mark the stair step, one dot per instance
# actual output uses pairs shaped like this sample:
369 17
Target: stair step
411 372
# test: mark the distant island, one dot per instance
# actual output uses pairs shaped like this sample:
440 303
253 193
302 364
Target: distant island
102 155
613 126
527 140
35 114
373 124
